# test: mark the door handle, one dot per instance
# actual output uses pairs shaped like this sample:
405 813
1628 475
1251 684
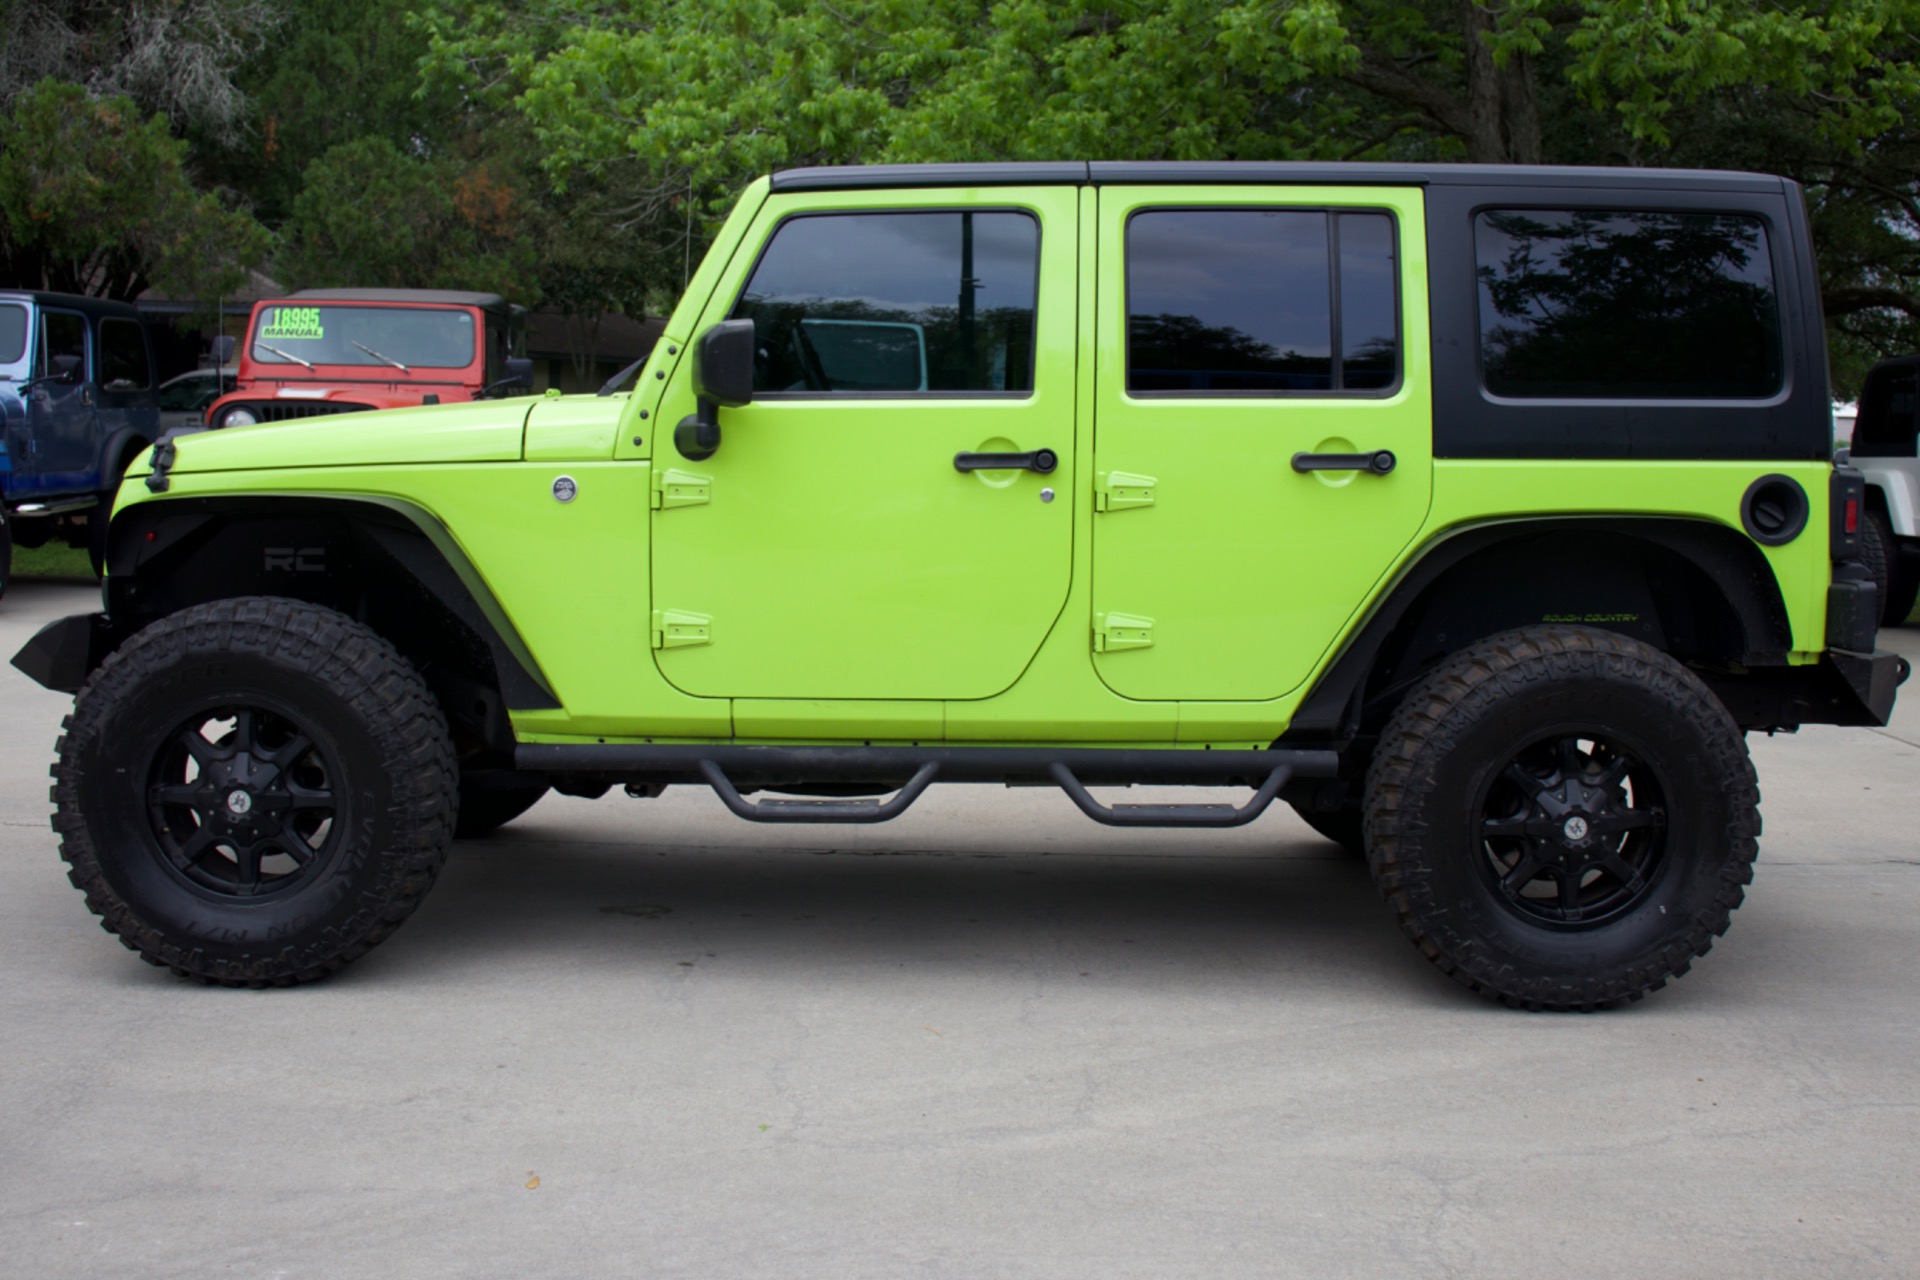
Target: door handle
1042 461
1378 463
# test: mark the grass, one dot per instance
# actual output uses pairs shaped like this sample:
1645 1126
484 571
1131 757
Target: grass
55 561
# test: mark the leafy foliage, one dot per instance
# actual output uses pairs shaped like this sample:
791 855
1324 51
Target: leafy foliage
580 151
95 199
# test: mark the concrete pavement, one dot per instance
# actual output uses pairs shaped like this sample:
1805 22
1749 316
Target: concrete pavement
641 1038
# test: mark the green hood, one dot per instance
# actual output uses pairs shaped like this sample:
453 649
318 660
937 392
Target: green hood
480 431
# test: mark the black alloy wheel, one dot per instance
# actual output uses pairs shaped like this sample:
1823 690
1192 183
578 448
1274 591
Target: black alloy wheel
243 802
1573 829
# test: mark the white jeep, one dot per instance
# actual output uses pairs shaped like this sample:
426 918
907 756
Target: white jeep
1886 431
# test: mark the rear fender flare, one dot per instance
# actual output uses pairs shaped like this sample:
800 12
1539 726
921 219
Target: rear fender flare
1729 561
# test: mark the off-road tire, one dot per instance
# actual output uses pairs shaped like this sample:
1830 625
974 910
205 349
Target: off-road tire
1450 742
1877 553
383 760
485 808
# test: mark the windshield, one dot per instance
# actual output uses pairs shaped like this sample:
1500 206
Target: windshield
416 337
13 333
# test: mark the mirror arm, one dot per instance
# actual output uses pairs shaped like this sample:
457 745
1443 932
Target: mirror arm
697 437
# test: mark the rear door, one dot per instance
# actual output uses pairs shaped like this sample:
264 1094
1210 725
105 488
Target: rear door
1243 334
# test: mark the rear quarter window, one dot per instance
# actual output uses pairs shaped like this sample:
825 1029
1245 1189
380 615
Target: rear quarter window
1611 304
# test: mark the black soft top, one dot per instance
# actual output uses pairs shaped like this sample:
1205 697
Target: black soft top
440 297
1276 173
72 302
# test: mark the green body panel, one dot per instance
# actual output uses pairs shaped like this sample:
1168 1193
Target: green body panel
1249 569
828 576
841 555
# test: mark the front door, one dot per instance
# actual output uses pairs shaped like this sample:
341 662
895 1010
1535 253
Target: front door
833 547
60 415
1245 334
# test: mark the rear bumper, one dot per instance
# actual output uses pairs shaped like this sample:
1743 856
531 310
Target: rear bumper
1846 687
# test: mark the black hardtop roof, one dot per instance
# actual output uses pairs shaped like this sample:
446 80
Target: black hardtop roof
72 301
1262 172
438 297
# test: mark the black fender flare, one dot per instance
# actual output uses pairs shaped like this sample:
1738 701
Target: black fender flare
1728 558
147 537
121 444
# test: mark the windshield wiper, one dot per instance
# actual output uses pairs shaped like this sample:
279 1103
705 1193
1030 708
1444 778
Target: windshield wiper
284 355
377 356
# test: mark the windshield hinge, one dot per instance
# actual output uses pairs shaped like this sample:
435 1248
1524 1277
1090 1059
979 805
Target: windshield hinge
163 455
1122 491
675 488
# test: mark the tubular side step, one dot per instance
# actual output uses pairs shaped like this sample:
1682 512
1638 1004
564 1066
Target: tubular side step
817 810
1172 815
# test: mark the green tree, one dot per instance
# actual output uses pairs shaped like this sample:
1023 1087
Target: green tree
371 214
96 199
694 97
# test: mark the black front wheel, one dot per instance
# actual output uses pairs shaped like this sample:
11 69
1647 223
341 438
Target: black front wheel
1562 817
254 792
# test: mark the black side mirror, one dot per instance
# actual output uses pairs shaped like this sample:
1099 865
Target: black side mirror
222 350
722 377
66 369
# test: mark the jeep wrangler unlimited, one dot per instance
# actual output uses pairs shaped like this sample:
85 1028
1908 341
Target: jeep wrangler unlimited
1477 513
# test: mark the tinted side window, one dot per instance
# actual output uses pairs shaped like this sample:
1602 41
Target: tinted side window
62 334
1244 300
1606 304
896 302
13 333
123 357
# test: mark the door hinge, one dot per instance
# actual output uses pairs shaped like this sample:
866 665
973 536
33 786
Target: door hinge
1115 631
678 629
1122 491
675 488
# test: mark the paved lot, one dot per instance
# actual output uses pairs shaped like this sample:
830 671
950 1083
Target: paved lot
640 1038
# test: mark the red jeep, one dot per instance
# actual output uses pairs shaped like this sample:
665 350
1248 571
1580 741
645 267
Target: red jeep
323 351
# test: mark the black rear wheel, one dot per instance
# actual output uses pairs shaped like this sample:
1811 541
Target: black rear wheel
1562 817
254 792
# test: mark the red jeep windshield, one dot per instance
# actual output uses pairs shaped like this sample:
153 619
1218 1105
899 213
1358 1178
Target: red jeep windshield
416 337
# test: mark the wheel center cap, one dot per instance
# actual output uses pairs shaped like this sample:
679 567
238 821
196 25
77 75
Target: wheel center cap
240 803
1576 828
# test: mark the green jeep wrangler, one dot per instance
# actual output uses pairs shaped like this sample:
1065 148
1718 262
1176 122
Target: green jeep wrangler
1477 513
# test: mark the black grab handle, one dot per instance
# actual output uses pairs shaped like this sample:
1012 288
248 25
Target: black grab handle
1040 460
1378 463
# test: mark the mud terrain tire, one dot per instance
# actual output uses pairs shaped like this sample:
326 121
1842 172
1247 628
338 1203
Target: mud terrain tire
1562 817
254 792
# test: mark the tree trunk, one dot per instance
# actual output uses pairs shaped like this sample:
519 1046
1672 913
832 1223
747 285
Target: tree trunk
1503 116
